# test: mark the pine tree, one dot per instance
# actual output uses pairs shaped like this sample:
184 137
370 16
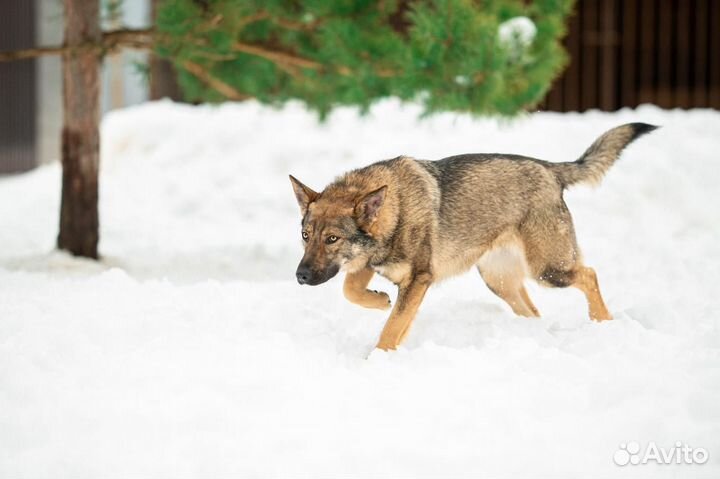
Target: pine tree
480 56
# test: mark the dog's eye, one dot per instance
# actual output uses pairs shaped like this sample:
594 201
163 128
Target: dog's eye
305 236
331 239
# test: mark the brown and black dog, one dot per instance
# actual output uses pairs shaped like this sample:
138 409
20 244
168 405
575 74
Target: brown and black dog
417 222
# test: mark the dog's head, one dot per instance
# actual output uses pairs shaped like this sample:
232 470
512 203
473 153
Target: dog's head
335 231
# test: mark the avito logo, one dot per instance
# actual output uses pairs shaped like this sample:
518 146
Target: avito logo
630 453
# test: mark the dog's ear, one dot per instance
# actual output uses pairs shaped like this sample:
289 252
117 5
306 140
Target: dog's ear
304 195
367 209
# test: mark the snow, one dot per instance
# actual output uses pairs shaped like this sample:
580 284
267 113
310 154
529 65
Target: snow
190 350
517 33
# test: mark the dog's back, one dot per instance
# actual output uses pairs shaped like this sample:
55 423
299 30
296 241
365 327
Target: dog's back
493 200
484 198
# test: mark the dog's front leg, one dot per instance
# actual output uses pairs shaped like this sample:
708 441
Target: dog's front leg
408 301
355 289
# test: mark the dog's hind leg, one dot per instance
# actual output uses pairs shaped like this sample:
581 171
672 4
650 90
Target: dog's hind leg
554 258
504 270
586 281
528 302
355 289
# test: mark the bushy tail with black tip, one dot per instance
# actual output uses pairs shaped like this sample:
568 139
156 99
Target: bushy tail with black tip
597 160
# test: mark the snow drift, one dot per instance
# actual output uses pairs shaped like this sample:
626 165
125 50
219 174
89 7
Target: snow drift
190 350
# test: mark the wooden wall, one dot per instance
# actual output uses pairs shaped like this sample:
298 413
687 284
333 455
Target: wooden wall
17 89
628 52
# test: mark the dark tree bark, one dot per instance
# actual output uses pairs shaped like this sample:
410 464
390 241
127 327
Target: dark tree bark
163 78
79 225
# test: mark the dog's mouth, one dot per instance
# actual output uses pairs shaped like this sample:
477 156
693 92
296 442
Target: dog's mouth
306 275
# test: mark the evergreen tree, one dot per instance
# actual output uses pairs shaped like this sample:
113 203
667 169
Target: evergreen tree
481 56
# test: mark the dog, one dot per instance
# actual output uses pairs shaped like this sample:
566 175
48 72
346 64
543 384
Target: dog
417 222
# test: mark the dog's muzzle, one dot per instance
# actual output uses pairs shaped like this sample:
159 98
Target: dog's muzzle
306 275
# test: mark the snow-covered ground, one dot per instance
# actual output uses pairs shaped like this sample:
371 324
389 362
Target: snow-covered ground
191 351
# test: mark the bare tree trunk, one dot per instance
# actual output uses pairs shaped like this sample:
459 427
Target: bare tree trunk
163 78
79 223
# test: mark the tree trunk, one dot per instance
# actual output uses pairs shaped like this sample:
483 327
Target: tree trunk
80 137
163 80
163 77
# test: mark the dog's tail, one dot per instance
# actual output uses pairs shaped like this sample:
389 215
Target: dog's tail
597 160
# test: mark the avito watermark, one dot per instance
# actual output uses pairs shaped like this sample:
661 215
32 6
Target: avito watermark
630 454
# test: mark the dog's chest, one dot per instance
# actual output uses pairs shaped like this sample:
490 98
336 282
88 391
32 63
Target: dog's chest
395 272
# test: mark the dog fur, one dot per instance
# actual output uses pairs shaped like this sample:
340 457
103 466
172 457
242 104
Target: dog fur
417 222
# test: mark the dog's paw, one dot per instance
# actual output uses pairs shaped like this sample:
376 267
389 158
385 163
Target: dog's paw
385 346
380 300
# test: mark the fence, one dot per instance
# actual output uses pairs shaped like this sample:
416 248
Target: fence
628 52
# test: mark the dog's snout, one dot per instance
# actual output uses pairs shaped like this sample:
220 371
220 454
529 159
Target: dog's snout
303 274
306 274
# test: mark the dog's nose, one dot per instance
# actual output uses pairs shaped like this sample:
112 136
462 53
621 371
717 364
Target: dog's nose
303 274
